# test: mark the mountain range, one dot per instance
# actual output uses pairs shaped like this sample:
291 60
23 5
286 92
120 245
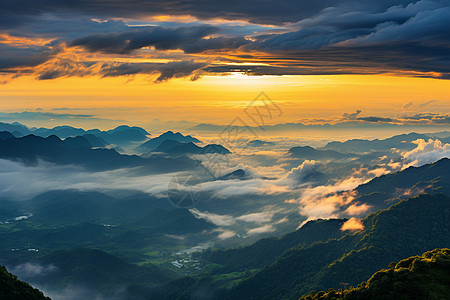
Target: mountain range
379 193
79 151
121 136
412 226
321 254
401 142
137 245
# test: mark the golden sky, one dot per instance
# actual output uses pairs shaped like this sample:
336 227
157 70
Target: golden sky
218 99
114 63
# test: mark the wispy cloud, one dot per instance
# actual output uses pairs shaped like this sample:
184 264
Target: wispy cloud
216 219
45 177
261 230
265 216
225 234
31 270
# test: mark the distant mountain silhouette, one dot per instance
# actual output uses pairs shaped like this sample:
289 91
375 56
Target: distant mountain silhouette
177 148
259 143
208 127
62 132
237 174
402 141
154 143
78 151
121 136
124 135
16 128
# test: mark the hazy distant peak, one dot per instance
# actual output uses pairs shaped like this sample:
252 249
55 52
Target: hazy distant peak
176 147
123 128
260 143
154 143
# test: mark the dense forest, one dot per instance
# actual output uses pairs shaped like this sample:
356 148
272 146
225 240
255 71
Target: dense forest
13 289
417 277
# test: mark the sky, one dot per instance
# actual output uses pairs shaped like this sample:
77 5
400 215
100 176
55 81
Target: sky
152 63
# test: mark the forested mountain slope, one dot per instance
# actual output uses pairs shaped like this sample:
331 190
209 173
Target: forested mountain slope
417 277
410 227
13 289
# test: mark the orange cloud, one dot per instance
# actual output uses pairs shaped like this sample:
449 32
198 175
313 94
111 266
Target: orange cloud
352 224
23 41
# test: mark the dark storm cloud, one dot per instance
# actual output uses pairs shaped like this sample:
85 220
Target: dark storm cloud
343 19
66 67
219 43
425 118
355 117
324 37
190 39
433 118
263 11
13 57
65 27
422 21
351 116
411 38
420 118
375 119
167 71
159 37
260 70
410 59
